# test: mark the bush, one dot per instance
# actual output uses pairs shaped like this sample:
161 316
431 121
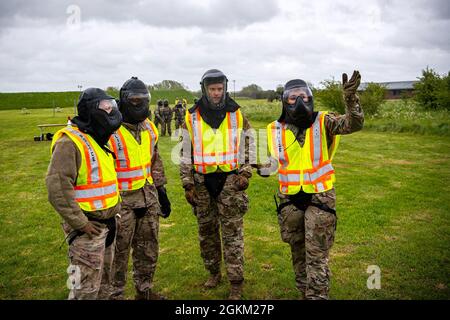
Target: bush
432 91
372 98
331 96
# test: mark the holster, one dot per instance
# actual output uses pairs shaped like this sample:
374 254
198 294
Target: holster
140 212
215 181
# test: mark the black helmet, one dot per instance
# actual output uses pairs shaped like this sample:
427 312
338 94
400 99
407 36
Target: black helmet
89 100
134 101
160 103
98 114
298 103
166 103
213 76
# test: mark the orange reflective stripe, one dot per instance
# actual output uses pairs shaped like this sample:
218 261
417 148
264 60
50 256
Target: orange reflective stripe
320 134
114 146
283 137
87 157
125 149
312 170
95 185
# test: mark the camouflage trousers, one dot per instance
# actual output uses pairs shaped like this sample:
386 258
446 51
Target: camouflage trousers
166 126
141 235
310 234
220 223
90 266
156 122
178 123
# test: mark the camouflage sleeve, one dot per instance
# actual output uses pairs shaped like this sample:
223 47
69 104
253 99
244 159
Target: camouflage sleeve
60 180
352 121
186 160
159 178
247 152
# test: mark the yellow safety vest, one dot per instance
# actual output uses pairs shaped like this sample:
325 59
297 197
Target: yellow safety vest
96 186
134 160
219 149
306 168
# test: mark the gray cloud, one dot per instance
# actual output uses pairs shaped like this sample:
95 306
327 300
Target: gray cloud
214 14
304 39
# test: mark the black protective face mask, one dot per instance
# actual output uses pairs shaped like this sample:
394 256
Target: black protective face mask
102 125
135 113
300 113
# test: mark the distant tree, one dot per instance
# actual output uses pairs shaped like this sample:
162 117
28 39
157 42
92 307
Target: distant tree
443 94
432 90
372 98
271 95
331 96
113 91
251 91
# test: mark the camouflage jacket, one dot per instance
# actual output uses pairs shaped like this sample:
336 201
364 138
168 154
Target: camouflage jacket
180 113
166 113
247 154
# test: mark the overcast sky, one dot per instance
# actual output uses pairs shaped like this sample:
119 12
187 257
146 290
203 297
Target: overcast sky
48 46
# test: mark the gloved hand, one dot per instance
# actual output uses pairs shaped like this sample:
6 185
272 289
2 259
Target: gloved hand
350 87
164 202
92 228
189 193
241 182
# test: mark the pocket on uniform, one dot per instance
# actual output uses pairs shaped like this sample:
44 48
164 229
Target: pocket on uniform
89 252
242 202
291 224
321 227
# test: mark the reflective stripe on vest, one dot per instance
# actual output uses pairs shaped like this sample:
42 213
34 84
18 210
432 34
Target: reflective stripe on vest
96 185
133 163
306 168
226 160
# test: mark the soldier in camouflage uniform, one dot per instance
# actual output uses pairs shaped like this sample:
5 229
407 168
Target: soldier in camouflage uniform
307 215
180 112
144 197
217 192
166 115
158 117
89 225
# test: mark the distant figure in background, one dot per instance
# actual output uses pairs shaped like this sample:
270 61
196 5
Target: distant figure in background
166 115
180 113
158 117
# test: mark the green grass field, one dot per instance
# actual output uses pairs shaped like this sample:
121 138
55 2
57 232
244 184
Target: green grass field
36 100
393 206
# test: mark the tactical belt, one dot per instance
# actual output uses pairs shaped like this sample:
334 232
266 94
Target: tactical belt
110 224
302 201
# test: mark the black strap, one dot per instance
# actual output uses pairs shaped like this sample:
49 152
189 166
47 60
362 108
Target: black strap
302 203
215 181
